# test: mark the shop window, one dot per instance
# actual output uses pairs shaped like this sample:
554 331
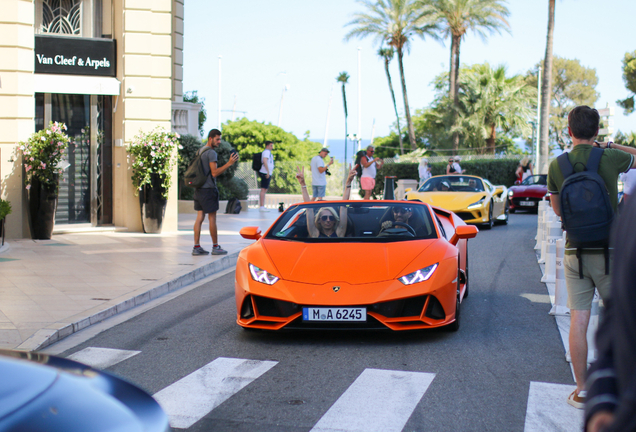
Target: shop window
83 18
62 17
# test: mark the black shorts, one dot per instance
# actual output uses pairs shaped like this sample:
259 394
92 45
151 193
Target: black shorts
206 199
264 180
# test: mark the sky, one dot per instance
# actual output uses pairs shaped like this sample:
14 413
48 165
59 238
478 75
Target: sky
288 53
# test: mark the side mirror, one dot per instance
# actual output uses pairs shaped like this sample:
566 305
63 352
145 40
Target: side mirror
408 190
464 232
250 233
498 191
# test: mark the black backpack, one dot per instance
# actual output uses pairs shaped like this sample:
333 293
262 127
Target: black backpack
195 174
358 164
586 210
257 161
233 206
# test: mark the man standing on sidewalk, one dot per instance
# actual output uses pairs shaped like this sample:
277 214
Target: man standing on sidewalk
585 268
319 174
265 174
370 165
206 198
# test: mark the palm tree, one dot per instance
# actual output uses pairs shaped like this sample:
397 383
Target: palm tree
494 102
343 78
546 93
457 17
387 55
394 22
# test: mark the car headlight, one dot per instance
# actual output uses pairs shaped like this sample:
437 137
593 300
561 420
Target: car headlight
262 275
477 204
511 193
420 275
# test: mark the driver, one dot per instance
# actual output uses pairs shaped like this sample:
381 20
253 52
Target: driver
444 186
401 215
472 183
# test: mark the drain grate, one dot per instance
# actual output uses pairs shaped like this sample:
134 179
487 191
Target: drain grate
100 299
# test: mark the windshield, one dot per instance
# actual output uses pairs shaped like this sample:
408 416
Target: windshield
536 180
353 222
453 183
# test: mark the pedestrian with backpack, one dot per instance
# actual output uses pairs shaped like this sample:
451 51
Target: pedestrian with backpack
265 173
206 197
584 193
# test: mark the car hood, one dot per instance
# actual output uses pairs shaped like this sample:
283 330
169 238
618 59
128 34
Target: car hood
353 263
452 201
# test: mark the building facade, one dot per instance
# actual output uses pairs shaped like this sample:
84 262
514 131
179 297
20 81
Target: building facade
108 69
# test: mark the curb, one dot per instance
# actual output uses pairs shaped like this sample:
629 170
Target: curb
58 331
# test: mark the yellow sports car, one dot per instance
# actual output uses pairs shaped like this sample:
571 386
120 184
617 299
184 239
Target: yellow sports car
472 198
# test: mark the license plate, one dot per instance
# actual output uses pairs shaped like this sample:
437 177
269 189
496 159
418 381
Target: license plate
334 314
526 203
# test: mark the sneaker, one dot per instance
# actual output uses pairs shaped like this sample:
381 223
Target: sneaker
577 400
217 250
199 251
263 209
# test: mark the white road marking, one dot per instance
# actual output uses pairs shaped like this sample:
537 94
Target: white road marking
194 396
378 400
102 358
548 409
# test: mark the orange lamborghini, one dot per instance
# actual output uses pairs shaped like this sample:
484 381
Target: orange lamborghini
357 265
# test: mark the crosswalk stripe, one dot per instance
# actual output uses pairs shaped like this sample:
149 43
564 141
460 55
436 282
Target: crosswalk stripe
548 409
194 396
102 358
378 400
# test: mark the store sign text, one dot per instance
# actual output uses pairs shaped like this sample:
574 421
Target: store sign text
76 56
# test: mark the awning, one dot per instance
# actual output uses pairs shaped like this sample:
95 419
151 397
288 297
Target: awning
76 84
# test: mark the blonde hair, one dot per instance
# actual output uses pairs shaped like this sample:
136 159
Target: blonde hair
424 162
317 217
524 162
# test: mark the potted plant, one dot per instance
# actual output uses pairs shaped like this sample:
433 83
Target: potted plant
42 156
153 158
5 210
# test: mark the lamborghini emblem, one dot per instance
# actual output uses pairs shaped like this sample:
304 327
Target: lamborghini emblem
336 289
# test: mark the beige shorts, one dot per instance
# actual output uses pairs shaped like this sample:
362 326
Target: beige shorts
367 183
581 291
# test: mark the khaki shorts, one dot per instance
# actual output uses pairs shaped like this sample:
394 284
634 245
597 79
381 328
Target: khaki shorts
581 291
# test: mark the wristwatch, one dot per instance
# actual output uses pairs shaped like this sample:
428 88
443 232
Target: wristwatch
609 144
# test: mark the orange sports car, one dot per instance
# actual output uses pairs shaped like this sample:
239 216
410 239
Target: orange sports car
355 265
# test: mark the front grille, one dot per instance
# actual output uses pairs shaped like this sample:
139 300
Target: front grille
435 309
409 307
465 215
275 308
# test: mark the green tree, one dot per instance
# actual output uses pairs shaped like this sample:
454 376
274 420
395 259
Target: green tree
387 56
248 136
457 17
193 96
573 85
343 79
629 76
394 23
546 94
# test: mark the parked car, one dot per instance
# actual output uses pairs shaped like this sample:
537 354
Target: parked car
474 199
43 393
394 265
526 195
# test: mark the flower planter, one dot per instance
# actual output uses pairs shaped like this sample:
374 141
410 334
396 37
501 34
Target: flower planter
152 205
42 205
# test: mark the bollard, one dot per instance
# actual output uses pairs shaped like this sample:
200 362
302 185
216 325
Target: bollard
592 327
560 290
540 216
553 234
544 235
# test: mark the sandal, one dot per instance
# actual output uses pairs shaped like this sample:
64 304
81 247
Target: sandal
577 400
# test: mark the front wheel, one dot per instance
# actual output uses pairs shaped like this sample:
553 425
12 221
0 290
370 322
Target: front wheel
506 214
490 223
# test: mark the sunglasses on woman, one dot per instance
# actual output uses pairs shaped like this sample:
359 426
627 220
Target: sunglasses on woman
327 218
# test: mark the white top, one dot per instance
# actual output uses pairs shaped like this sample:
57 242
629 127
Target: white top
458 169
629 182
425 174
270 162
371 171
318 178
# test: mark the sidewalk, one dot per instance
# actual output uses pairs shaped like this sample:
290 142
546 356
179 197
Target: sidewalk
50 289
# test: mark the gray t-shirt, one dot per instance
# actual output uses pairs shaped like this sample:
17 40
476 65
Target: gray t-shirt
206 158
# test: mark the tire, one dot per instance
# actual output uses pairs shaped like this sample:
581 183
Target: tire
490 223
454 326
466 272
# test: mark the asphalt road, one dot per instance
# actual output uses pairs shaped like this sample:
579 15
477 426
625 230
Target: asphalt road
480 375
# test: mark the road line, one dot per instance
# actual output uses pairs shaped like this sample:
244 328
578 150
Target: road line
194 396
102 358
378 400
548 409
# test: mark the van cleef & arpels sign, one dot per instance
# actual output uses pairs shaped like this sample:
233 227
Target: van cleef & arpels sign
75 56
